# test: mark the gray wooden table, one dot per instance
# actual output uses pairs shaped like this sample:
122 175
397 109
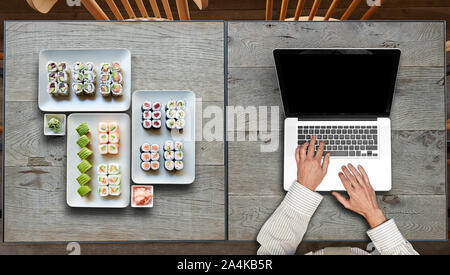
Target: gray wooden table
417 200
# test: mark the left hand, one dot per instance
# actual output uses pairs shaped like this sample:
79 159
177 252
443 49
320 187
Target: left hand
310 169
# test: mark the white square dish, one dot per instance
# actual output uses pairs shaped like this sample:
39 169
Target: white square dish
149 205
159 136
93 199
74 103
61 118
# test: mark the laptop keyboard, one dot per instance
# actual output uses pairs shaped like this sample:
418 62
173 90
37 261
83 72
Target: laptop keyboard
343 141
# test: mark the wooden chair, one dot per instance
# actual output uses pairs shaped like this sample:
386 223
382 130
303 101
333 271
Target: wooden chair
312 14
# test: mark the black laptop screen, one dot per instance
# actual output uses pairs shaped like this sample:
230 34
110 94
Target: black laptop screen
337 82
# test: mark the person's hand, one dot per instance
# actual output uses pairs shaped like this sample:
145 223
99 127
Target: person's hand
362 196
310 169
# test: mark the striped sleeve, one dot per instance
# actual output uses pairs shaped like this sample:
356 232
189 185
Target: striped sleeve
389 241
284 230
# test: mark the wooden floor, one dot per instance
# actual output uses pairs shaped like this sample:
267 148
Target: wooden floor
220 10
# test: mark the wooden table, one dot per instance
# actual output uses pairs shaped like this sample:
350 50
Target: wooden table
190 55
417 200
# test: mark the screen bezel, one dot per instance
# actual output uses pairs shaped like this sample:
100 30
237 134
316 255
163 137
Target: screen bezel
395 52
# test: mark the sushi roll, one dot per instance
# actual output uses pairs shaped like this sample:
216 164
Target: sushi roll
154 165
146 114
52 88
103 138
178 145
52 76
171 104
147 123
77 88
105 89
113 148
115 67
84 190
114 179
116 89
77 66
179 124
113 169
52 66
146 106
168 145
88 76
145 166
105 78
145 156
114 190
78 77
82 129
103 191
84 166
156 124
83 141
154 148
103 127
170 123
179 165
145 147
169 165
89 66
113 127
180 114
102 169
178 155
84 153
63 67
63 88
180 104
102 180
169 155
154 156
116 77
89 88
156 115
83 179
170 113
114 137
103 149
105 68
156 106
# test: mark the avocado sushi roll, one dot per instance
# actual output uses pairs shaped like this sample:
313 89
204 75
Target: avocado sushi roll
114 179
179 155
113 127
84 190
113 148
116 89
115 67
63 77
113 137
180 114
103 191
88 76
114 190
116 77
170 113
180 104
52 77
89 88
105 89
170 124
105 67
82 129
103 138
178 145
83 141
52 66
84 153
53 88
77 67
63 67
105 78
102 180
89 66
171 104
102 169
103 149
78 77
84 166
169 165
77 88
83 179
113 169
179 124
168 145
169 155
179 165
63 89
103 127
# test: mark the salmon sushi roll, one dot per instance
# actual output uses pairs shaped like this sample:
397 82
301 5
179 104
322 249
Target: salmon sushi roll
105 67
154 148
154 165
116 89
145 156
103 191
154 156
145 147
145 166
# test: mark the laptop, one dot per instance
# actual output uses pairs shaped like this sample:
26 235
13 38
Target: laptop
344 97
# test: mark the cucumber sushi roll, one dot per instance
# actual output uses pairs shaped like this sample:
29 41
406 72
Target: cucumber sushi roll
115 67
63 89
103 127
147 123
52 88
105 78
168 145
105 67
146 106
113 169
179 155
156 115
77 67
179 165
171 105
180 114
156 106
84 166
180 124
84 153
169 165
178 145
170 124
154 148
103 138
52 76
102 169
83 179
103 191
156 124
103 149
102 180
77 88
78 77
114 179
116 89
83 141
154 165
63 67
113 127
170 113
89 66
116 77
84 190
146 114
114 190
89 88
145 147
154 156
169 155
82 129
145 166
145 156
105 89
52 66
180 104
88 76
113 148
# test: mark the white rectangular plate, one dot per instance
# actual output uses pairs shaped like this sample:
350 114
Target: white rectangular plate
159 136
93 199
74 103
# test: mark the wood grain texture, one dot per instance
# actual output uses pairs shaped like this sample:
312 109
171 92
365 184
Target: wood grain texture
333 222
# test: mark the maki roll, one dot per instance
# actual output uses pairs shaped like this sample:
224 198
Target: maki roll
156 106
52 88
156 115
89 88
103 138
63 89
105 89
84 166
114 179
170 114
169 165
178 155
114 137
84 153
84 190
145 147
116 89
77 66
180 114
179 165
63 67
103 127
115 67
178 145
145 166
83 179
77 88
105 67
154 156
102 169
103 191
146 106
88 76
89 66
52 66
170 123
154 165
116 77
147 123
168 145
154 148
171 105
180 104
145 156
103 149
146 114
169 155
113 127
113 169
114 190
78 77
52 76
113 148
105 78
180 124
83 141
102 180
82 129
156 124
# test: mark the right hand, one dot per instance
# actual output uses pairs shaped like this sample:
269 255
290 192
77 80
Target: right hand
362 196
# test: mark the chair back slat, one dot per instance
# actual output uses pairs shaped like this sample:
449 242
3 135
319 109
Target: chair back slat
331 9
350 9
167 9
284 7
112 6
183 9
298 10
314 9
155 8
269 7
128 9
94 9
142 8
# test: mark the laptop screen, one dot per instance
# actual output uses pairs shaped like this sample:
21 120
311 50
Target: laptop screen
337 82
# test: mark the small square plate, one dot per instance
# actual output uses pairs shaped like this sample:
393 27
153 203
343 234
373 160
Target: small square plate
61 118
133 204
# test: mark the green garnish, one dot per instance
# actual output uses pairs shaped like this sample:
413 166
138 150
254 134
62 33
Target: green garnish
54 124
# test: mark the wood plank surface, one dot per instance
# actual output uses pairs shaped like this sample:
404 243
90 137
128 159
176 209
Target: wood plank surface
165 55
